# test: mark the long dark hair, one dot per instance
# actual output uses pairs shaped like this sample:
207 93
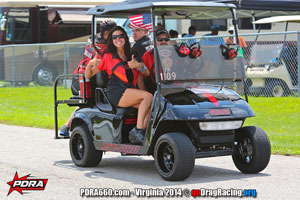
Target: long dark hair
111 48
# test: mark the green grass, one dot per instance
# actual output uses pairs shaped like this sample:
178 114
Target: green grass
33 106
280 118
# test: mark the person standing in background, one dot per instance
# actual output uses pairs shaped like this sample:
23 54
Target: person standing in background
173 34
213 41
192 33
232 40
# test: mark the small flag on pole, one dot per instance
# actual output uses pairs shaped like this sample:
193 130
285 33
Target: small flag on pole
143 21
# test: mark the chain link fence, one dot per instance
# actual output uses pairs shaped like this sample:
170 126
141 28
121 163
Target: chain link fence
271 64
38 63
271 61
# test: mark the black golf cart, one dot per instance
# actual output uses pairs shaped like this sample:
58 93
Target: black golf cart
195 111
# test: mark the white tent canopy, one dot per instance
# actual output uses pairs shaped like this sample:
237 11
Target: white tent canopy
69 16
56 3
277 19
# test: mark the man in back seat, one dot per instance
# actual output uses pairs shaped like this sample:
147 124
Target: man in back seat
89 54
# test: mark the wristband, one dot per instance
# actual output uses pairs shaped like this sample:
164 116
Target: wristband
143 69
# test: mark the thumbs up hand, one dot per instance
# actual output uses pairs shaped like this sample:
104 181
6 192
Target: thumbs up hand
95 61
133 64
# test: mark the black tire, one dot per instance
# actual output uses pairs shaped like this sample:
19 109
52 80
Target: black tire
174 156
44 74
277 89
253 151
82 149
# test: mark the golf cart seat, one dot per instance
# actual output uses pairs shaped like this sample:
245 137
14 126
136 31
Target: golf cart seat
102 101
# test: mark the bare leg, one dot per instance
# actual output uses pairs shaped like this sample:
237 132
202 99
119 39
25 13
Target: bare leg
135 97
147 118
68 123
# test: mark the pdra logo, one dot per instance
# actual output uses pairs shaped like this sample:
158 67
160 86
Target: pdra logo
24 183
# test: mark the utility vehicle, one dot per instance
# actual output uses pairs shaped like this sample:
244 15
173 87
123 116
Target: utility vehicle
195 111
273 68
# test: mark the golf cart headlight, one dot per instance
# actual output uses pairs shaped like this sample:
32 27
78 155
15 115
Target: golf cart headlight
224 125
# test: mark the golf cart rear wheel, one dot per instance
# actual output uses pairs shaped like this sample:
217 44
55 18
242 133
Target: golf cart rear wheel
82 149
253 151
174 156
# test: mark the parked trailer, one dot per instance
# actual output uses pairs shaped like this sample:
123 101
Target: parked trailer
35 22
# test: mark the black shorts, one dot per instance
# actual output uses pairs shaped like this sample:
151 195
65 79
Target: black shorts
115 89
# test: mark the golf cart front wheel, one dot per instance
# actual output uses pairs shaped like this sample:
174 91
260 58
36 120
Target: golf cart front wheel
174 156
277 89
253 150
82 150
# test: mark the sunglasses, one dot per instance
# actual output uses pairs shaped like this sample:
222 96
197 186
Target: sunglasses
163 39
114 37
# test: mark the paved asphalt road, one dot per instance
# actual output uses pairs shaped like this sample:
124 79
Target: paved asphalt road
34 151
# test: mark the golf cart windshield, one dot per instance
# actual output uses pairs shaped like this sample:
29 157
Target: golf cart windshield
265 54
210 66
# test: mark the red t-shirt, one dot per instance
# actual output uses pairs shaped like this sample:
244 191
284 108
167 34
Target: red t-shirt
89 54
109 61
148 60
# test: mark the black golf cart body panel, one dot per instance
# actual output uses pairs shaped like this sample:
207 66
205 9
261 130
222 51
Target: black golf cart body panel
103 126
186 118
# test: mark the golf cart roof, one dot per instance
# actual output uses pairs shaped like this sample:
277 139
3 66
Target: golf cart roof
169 8
277 19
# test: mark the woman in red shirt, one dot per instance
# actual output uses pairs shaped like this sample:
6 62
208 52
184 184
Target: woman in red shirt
123 71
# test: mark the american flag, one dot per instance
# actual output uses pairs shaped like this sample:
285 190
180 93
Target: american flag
142 21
